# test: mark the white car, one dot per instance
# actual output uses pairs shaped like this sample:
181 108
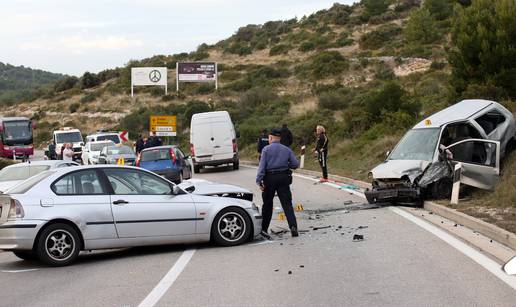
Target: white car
57 213
91 151
13 174
104 136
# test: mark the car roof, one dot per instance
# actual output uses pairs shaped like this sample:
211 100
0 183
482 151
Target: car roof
51 163
160 147
462 110
102 133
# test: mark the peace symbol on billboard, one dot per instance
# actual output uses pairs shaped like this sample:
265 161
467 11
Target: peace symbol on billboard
154 76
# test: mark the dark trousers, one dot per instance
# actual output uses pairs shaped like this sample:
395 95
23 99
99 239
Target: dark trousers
323 156
279 183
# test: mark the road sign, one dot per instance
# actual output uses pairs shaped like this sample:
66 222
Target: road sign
163 125
124 136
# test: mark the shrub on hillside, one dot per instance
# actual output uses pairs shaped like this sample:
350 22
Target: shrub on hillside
89 97
89 80
379 37
421 28
279 49
65 84
74 107
323 65
390 98
333 100
239 48
344 40
374 7
439 9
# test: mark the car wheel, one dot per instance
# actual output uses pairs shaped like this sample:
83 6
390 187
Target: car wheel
58 245
231 227
441 189
236 165
197 169
25 255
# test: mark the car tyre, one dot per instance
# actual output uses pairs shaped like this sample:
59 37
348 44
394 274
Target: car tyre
58 245
231 227
25 255
236 165
197 169
441 189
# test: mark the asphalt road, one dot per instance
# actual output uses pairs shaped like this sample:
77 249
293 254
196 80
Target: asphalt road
397 264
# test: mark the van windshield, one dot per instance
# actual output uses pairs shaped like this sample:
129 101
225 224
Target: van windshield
68 137
417 144
109 137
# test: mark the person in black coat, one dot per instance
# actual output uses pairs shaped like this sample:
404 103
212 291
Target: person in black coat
286 136
263 141
140 144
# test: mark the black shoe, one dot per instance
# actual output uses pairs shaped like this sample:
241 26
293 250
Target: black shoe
265 235
294 232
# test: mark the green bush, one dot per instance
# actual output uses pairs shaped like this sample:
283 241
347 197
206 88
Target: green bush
333 101
390 98
323 64
89 80
74 107
65 84
374 7
439 9
89 97
421 28
279 49
379 37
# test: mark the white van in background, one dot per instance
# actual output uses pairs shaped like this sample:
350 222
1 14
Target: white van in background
69 135
104 136
213 140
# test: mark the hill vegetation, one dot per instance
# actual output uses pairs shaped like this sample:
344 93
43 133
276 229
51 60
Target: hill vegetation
18 83
367 72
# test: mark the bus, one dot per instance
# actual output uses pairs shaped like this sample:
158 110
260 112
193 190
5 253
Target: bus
16 137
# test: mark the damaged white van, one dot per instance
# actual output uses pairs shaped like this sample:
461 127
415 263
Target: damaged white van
475 132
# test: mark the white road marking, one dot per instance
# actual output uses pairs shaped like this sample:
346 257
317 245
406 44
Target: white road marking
18 271
166 282
260 243
467 250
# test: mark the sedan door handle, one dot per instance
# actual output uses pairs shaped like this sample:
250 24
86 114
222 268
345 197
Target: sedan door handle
120 202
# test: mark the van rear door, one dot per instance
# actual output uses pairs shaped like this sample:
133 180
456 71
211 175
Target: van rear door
222 139
202 138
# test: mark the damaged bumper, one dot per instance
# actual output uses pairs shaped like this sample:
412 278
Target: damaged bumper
393 195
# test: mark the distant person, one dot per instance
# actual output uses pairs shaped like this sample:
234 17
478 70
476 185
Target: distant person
68 152
145 142
286 136
275 176
140 144
52 150
321 150
263 141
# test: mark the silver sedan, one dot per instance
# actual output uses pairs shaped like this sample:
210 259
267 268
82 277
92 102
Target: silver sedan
57 213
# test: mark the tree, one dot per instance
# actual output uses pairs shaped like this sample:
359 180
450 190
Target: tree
421 28
439 9
89 80
484 45
375 7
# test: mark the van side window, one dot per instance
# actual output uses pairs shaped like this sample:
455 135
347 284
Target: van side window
490 121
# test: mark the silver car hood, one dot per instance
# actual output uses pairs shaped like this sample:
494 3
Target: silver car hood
205 187
395 169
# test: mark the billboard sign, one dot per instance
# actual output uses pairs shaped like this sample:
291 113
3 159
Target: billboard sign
143 76
163 125
197 71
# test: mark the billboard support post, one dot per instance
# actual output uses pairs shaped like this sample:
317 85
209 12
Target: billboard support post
216 76
177 76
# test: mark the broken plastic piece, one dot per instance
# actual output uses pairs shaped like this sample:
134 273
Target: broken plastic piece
322 227
289 272
358 238
362 227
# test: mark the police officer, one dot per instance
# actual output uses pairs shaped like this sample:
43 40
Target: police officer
275 176
263 141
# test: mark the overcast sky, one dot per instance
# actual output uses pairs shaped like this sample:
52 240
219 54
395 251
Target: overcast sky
76 36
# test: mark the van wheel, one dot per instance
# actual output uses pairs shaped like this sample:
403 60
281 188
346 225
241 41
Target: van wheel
197 169
58 245
236 165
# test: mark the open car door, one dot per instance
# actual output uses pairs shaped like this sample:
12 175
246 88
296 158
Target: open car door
480 162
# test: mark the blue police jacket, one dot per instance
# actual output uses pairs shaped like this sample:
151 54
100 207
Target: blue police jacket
275 157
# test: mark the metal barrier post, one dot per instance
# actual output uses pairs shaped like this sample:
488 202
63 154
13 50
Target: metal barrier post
302 160
456 184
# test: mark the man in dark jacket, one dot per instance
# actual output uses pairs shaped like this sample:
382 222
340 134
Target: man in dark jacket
321 150
286 136
140 144
263 141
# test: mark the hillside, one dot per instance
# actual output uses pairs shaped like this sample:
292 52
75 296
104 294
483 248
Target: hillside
19 83
367 72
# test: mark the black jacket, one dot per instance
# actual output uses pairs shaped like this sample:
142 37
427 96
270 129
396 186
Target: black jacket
322 144
263 141
286 137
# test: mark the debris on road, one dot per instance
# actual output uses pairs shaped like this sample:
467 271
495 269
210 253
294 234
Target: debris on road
322 227
301 266
357 238
362 227
289 272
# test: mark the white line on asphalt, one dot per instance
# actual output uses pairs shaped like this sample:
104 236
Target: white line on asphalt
166 282
18 271
260 243
467 250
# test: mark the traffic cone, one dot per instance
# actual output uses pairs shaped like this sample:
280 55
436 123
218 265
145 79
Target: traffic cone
281 216
299 207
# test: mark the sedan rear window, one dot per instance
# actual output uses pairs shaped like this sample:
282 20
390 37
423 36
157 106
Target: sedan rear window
21 172
155 154
29 183
109 137
122 150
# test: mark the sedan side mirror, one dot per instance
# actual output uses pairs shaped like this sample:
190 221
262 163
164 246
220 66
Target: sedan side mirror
176 190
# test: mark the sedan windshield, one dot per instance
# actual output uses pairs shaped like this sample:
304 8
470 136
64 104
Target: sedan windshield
109 137
417 144
21 172
68 137
122 150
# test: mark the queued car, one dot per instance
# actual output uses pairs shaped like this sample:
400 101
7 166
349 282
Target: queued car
91 151
104 136
168 161
113 154
14 174
54 215
477 133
